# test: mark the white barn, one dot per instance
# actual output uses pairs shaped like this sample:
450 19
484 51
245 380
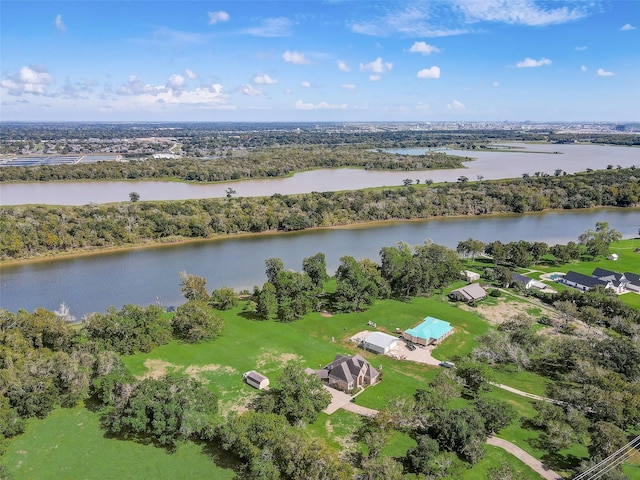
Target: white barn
380 342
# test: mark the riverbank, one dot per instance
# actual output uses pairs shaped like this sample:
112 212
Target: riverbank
178 241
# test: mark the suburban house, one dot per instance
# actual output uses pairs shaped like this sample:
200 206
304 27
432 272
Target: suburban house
430 332
470 293
583 282
348 373
380 342
470 276
633 281
618 280
527 282
256 380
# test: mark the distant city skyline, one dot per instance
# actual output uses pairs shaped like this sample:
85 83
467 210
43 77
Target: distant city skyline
333 60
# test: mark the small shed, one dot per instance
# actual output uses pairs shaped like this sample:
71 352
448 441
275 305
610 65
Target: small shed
613 256
380 342
256 380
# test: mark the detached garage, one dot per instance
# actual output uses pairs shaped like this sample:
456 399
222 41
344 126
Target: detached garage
380 342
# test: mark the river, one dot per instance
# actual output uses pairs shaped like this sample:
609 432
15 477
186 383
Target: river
140 276
490 165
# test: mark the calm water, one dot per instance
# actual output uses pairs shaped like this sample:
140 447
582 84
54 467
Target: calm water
93 283
491 165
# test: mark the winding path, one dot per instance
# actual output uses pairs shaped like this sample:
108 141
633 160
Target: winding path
524 457
527 395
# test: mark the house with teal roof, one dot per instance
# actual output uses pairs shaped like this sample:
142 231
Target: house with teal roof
430 332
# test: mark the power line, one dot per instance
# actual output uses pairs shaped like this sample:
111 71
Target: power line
611 462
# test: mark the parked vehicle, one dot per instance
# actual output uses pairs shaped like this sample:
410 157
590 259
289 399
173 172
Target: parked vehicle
447 364
411 346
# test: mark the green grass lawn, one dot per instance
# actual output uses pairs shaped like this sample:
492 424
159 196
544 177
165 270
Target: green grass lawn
267 346
526 381
69 444
495 458
562 462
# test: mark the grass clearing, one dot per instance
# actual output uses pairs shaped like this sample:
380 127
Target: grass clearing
69 444
494 459
526 381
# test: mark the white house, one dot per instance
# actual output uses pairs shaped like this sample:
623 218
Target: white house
256 380
583 282
470 276
380 342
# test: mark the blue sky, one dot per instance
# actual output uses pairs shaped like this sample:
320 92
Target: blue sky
462 60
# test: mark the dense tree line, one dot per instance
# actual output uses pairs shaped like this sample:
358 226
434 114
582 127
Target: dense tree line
29 231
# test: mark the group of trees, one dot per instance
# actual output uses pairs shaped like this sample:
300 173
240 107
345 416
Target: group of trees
403 271
30 231
47 362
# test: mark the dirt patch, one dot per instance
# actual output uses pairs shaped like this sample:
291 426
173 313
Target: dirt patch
326 314
156 368
272 356
194 370
328 426
497 314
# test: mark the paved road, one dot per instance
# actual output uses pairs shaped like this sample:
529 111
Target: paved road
534 463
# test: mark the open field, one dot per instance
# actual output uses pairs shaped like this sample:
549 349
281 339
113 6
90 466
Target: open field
69 444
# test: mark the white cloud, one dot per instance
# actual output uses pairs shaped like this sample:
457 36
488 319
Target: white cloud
168 36
305 84
271 27
248 90
300 105
520 12
136 86
603 73
190 73
375 78
29 80
626 27
221 16
294 57
60 26
456 106
377 66
264 80
176 81
424 107
342 65
423 48
348 86
496 84
530 62
433 72
437 19
581 49
412 20
583 68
